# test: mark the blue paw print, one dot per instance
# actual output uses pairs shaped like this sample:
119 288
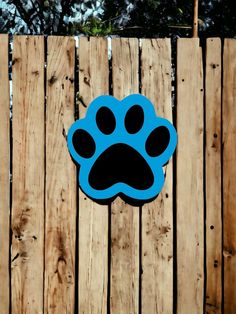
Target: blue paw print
121 147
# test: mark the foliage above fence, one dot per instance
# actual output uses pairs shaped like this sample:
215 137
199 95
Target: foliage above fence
62 253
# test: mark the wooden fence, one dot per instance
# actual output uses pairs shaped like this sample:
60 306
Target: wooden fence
68 254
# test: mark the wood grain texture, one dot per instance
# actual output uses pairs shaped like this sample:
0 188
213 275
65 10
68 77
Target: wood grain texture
157 216
93 218
124 218
60 218
44 189
213 177
4 177
28 175
229 174
189 193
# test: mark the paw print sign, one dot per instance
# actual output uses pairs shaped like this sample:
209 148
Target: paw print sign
120 148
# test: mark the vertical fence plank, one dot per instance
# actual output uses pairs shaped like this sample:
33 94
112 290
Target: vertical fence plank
213 177
93 218
229 175
125 218
60 218
4 176
190 215
157 216
28 174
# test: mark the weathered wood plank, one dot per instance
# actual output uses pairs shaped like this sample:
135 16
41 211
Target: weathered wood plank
213 177
125 218
4 177
28 175
93 218
157 216
60 216
190 212
229 174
